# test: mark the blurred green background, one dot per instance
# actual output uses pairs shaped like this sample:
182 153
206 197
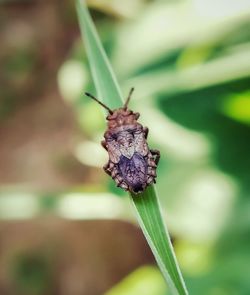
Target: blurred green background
64 228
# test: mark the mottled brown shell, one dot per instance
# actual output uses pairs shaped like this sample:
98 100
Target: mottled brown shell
131 163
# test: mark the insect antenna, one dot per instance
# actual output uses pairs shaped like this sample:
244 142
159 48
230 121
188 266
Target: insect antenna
98 101
128 99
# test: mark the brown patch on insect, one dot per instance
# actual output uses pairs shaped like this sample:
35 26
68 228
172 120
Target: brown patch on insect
131 163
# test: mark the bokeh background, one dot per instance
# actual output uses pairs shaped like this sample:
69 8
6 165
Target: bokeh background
64 228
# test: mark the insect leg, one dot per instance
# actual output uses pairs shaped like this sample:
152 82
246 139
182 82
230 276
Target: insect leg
151 175
145 131
137 115
157 155
151 172
118 179
121 184
103 143
106 168
111 169
150 179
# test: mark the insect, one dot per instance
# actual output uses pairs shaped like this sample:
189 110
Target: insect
131 163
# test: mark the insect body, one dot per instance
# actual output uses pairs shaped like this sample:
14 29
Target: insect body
131 163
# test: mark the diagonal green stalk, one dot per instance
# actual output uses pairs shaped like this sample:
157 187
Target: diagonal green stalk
146 204
150 219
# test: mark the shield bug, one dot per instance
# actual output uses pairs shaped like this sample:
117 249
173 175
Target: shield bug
131 163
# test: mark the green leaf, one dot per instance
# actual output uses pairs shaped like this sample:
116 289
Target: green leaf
146 203
105 81
150 219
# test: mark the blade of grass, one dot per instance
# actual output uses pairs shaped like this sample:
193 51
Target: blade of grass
105 81
150 219
146 204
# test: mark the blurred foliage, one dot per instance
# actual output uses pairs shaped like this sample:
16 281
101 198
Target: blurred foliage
31 274
146 280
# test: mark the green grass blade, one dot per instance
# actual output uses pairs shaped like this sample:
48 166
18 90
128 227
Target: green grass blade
150 219
146 204
105 81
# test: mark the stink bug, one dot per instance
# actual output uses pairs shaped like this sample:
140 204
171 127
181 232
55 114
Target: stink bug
131 163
